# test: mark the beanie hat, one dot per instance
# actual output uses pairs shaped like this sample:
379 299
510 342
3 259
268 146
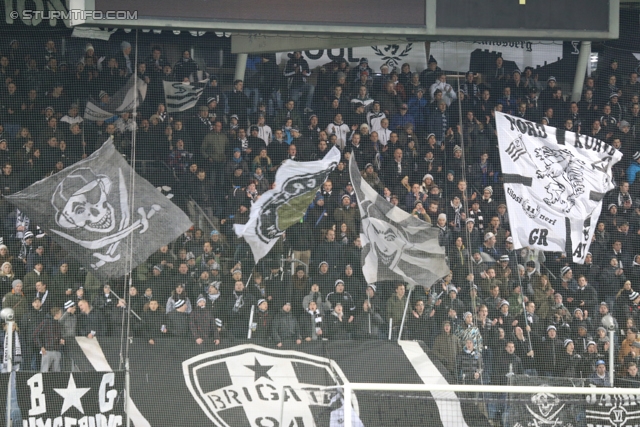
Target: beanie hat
178 303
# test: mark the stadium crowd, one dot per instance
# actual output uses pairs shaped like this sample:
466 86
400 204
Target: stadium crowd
424 145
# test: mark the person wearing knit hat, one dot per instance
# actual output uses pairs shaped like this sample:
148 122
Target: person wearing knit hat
285 327
201 323
634 168
339 295
178 319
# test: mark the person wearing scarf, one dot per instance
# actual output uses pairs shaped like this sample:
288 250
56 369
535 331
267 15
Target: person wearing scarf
17 349
455 213
312 327
470 364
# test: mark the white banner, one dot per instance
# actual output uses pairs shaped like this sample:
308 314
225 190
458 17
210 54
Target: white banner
126 99
276 210
180 96
396 245
451 56
550 176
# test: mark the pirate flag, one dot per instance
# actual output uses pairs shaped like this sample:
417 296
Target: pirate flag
396 245
91 210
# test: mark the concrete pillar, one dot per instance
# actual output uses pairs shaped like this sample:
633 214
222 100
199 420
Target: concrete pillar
584 58
241 65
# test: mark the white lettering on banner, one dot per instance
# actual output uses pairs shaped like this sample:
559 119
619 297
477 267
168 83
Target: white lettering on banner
107 397
38 403
263 383
73 395
620 409
97 420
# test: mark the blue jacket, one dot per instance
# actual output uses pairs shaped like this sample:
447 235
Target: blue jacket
632 171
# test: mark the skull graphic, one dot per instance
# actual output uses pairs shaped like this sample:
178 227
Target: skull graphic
80 201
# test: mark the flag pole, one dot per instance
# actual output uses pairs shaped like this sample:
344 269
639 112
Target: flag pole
131 209
253 308
404 314
524 307
369 303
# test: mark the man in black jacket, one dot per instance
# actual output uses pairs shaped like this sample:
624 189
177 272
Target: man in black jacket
178 320
286 327
28 324
90 322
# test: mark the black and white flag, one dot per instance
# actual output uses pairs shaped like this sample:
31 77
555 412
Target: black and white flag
295 187
554 182
182 96
296 385
78 398
92 212
396 245
126 99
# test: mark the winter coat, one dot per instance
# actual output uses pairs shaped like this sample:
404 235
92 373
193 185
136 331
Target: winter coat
338 329
285 328
361 325
446 348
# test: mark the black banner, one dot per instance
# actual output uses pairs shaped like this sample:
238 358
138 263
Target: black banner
73 398
544 408
4 382
177 382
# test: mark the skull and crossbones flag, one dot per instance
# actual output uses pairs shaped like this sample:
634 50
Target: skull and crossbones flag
91 210
396 245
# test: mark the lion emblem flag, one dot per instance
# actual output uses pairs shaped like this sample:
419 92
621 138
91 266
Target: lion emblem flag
554 183
91 211
296 185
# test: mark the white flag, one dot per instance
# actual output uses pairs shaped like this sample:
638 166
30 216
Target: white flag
554 183
180 96
126 99
396 245
278 209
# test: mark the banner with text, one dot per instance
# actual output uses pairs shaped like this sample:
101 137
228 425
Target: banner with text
65 399
451 56
554 182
